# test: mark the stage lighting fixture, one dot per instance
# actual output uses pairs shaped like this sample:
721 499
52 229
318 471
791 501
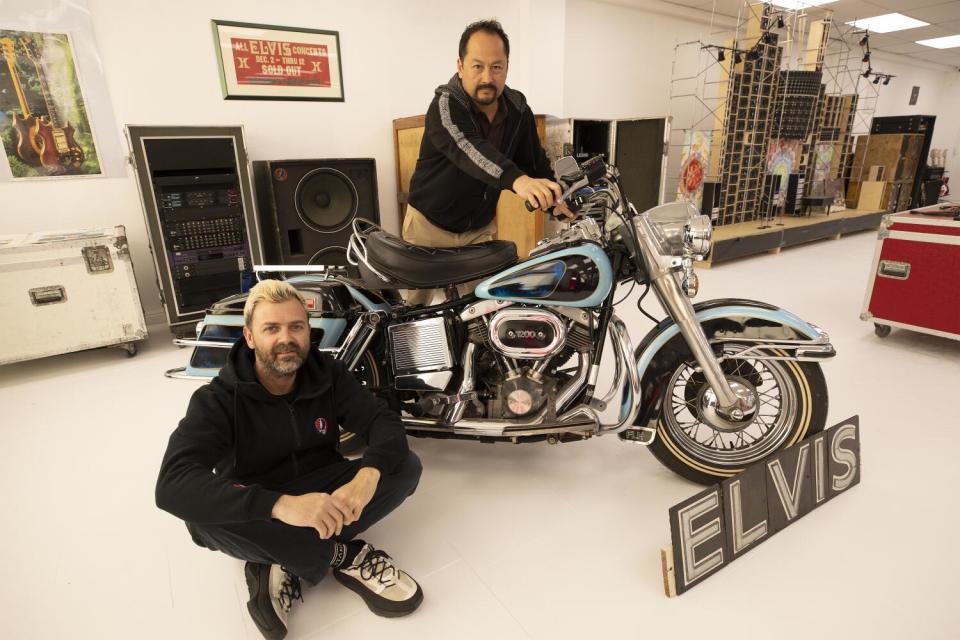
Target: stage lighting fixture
876 80
721 56
886 80
866 57
864 40
737 58
780 23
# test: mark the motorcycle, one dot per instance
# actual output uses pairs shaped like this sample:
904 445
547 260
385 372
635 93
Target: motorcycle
711 389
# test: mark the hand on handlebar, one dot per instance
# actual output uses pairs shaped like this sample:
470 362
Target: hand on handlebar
562 211
539 193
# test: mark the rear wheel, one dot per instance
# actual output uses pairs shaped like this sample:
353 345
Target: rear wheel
368 374
791 405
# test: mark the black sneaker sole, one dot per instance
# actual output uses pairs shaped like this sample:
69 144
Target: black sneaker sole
378 604
273 628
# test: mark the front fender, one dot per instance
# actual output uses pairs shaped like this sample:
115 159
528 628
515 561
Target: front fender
726 318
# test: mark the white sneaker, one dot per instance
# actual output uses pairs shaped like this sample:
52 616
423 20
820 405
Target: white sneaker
387 590
272 592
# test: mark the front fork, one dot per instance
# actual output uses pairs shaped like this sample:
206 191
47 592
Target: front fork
733 402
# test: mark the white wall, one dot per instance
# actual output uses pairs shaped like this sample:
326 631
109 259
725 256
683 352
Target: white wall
939 96
618 60
574 58
160 67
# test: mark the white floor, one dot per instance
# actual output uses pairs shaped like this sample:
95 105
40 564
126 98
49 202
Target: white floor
529 541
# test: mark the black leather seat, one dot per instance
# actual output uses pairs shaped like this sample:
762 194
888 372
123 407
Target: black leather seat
410 266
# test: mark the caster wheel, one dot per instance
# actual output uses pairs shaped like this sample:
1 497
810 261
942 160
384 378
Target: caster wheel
131 349
882 330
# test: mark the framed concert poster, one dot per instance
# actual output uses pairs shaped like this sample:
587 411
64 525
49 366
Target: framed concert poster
44 123
267 62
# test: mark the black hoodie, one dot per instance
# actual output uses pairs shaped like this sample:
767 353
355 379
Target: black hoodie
238 444
460 174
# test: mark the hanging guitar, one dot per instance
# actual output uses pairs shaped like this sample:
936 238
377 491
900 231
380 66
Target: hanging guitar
24 123
56 145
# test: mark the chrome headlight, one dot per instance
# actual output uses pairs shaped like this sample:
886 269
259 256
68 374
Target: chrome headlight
680 229
697 234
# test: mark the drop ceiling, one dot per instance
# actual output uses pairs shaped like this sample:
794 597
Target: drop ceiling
944 19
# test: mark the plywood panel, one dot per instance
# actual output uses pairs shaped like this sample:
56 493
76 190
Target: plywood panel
518 225
874 195
514 222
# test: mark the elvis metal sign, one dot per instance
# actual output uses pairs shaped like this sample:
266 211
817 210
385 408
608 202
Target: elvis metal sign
715 527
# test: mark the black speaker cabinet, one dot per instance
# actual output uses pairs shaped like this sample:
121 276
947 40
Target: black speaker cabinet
307 207
793 202
711 199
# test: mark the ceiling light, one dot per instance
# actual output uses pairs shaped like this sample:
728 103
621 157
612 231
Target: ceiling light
948 42
889 22
799 4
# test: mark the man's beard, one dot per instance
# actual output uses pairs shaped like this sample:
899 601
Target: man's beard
273 364
485 102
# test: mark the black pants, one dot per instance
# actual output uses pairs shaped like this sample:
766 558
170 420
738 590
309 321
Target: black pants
300 549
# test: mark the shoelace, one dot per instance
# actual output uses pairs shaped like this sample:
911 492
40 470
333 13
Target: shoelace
289 590
375 565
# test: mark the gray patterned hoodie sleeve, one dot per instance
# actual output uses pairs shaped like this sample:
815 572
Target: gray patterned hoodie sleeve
454 133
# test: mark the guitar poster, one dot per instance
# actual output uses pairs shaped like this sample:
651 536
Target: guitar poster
44 124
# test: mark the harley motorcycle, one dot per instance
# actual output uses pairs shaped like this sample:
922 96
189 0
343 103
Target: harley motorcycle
712 388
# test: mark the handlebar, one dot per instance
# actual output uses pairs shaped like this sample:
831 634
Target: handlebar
591 171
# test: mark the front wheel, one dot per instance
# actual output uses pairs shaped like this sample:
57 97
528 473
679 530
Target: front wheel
791 405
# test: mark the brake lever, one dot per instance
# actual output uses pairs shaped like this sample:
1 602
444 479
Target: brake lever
576 186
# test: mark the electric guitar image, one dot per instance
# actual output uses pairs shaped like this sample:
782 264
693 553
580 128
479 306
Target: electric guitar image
24 123
56 145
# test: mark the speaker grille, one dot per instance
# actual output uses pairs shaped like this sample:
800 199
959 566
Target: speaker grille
326 200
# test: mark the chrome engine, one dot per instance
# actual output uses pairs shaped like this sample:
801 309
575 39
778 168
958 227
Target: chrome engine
531 334
519 345
509 369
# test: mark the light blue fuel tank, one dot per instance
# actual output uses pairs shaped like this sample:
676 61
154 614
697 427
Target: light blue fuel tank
579 276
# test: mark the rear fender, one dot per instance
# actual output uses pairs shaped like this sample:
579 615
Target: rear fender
723 319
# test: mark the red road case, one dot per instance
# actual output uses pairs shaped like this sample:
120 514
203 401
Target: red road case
915 279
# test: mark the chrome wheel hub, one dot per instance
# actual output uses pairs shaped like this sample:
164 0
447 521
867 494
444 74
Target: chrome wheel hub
740 417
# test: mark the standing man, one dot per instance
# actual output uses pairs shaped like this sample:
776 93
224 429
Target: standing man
255 472
480 138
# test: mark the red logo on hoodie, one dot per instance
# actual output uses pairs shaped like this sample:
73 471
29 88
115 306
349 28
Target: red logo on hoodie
320 425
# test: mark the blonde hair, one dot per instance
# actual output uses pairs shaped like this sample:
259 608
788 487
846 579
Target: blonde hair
269 291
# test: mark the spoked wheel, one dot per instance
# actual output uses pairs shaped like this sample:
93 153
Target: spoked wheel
692 441
367 373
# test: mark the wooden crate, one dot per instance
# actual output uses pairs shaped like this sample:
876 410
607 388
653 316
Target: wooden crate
514 222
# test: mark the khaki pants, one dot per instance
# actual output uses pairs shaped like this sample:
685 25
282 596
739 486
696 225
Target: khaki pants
420 231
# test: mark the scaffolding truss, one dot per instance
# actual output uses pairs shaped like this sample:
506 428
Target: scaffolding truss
783 84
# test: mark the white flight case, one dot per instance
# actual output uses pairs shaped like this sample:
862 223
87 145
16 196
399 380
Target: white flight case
67 291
